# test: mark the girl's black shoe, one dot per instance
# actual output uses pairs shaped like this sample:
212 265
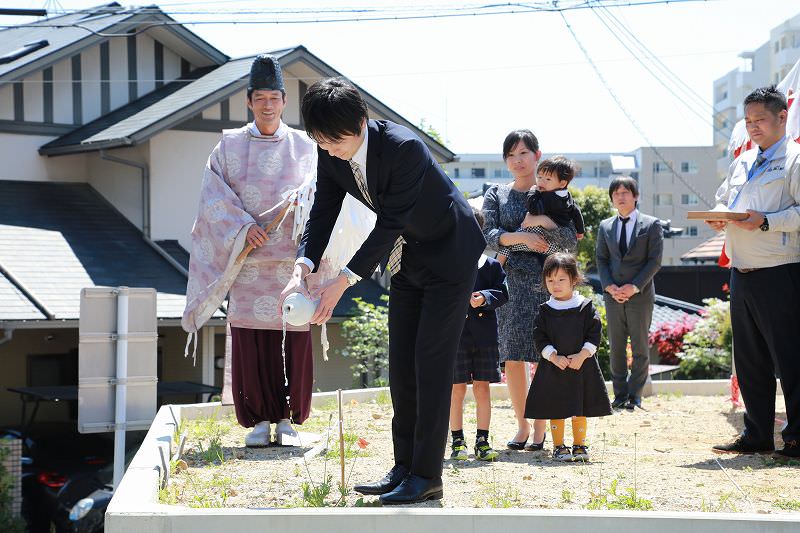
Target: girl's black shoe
534 447
514 445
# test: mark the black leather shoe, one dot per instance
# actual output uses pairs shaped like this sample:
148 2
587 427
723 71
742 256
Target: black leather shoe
389 482
619 402
536 447
745 446
632 403
791 450
514 445
414 489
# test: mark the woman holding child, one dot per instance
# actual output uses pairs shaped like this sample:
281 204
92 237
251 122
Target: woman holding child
504 209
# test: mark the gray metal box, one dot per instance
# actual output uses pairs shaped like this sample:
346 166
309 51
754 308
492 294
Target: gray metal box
97 367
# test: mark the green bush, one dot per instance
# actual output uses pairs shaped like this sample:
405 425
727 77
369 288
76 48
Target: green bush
8 522
367 342
707 348
602 354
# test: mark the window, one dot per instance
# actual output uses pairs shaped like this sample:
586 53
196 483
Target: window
777 45
659 167
688 167
662 199
691 231
689 199
456 172
498 173
478 172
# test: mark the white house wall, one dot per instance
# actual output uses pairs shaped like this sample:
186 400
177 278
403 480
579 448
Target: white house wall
6 102
33 100
21 161
90 86
62 92
83 72
238 106
119 184
176 173
291 114
145 64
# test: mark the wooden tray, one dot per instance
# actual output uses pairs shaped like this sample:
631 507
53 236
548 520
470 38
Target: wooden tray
716 215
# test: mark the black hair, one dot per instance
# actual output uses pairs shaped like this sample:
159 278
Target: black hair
564 169
333 108
562 261
623 181
526 136
772 98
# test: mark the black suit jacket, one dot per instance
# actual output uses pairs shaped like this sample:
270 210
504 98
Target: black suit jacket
412 197
480 325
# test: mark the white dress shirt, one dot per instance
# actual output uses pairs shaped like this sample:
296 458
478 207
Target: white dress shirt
360 158
628 226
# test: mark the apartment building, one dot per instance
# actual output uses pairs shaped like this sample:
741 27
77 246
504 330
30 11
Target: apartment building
767 64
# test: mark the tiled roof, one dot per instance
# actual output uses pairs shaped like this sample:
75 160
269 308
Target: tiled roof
57 238
708 250
104 125
70 33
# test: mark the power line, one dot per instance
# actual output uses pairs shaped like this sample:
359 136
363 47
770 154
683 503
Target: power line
630 117
659 80
494 9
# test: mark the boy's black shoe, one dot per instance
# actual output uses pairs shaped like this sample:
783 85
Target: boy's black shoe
791 450
745 446
632 403
619 402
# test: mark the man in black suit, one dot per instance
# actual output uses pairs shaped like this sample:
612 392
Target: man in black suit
432 241
629 249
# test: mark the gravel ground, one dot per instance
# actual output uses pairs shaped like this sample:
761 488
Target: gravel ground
664 453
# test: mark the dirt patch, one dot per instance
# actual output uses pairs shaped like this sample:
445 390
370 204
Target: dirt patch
662 453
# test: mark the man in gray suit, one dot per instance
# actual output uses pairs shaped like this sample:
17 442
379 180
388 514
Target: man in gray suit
629 248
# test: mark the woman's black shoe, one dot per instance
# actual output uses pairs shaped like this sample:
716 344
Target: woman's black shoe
534 447
514 445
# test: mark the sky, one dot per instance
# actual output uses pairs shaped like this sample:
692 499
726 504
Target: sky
475 78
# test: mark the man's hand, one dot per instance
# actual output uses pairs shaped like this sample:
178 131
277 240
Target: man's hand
627 291
751 222
477 300
296 284
329 296
560 361
256 236
717 225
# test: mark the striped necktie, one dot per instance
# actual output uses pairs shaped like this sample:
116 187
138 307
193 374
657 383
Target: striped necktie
396 254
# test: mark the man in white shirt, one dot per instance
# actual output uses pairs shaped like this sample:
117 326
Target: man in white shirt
629 247
765 276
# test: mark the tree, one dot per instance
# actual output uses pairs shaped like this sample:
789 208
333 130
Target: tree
367 337
431 131
595 206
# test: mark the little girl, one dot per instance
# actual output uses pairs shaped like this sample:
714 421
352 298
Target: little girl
570 384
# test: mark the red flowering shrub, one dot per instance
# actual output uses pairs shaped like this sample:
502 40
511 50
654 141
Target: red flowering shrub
668 339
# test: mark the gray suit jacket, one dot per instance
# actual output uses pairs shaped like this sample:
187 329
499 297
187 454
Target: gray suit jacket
643 259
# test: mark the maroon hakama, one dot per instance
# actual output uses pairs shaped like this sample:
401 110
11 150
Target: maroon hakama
259 393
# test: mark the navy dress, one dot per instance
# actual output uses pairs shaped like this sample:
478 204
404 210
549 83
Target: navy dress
556 393
478 358
504 209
